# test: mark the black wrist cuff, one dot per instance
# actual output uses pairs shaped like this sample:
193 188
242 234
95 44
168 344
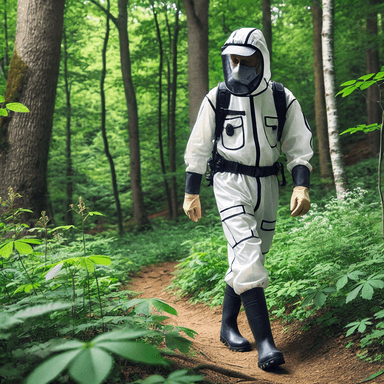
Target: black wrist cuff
300 176
192 183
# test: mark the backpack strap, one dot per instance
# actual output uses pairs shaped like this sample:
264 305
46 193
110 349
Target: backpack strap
223 97
280 105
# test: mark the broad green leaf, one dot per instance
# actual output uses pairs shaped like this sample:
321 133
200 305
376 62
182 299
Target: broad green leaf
320 299
347 91
3 112
189 332
17 107
352 295
95 213
6 250
28 288
162 306
121 335
174 341
100 259
29 241
379 76
367 291
53 272
87 264
367 84
23 248
133 350
91 366
70 344
2 99
351 330
341 282
367 77
347 83
39 310
51 368
377 283
62 227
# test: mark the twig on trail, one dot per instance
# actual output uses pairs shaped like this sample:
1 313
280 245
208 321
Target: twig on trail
211 367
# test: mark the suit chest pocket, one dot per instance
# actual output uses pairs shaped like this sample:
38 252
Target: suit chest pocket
233 136
270 128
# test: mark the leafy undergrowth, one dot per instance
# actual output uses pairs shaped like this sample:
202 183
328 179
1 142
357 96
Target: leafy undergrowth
64 317
325 269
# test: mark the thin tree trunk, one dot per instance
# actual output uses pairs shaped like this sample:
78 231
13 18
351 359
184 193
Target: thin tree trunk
373 93
68 154
329 84
172 133
321 115
32 81
197 19
160 125
267 25
139 213
104 130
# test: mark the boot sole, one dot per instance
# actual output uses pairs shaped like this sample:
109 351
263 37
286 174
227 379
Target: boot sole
272 362
245 348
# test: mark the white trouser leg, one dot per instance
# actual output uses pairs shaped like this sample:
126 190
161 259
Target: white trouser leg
249 233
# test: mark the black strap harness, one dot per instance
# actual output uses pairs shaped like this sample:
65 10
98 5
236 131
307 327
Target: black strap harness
218 163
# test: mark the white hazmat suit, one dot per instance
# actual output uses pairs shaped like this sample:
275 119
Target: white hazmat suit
247 204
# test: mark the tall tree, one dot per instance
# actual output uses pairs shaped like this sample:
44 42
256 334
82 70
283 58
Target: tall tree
103 125
68 135
32 80
172 126
329 85
139 212
197 19
373 66
267 24
320 112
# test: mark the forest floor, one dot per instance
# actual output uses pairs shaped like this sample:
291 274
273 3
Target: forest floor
311 357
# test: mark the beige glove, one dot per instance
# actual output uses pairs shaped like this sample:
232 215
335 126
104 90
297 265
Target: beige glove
192 207
300 202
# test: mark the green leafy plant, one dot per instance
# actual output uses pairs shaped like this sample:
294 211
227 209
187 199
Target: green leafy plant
15 107
363 83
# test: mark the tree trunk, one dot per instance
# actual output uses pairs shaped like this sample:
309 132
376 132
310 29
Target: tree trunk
160 114
139 213
68 154
172 131
329 85
267 25
104 130
320 112
197 19
32 81
373 93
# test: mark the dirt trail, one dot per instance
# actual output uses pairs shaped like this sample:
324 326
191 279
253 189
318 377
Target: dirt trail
311 357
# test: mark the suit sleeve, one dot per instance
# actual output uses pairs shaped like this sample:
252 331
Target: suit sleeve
296 140
200 143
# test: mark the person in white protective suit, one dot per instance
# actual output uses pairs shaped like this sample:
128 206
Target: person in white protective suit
245 188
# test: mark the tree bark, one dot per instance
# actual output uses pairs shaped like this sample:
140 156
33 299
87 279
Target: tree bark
172 130
104 130
160 114
197 20
139 213
68 136
267 25
373 66
320 112
329 85
32 81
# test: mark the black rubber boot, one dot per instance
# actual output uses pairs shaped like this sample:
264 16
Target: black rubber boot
229 333
257 313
